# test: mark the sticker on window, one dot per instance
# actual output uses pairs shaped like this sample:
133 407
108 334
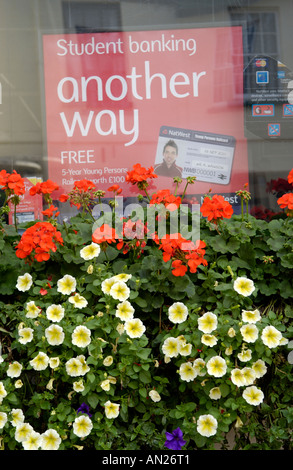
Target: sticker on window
184 152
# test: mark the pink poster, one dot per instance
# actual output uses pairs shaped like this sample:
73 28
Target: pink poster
171 99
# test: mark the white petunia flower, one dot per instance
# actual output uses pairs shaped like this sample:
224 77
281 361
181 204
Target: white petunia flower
108 361
81 336
207 425
17 417
199 365
90 251
208 322
259 368
111 409
178 312
120 328
40 362
249 375
78 301
245 355
134 328
187 372
50 440
229 350
125 311
171 347
283 341
82 426
249 316
3 392
22 431
54 362
216 366
14 369
84 367
33 442
78 386
3 419
32 311
244 286
185 349
154 395
271 337
209 340
24 282
107 284
90 269
231 332
237 378
18 383
120 291
215 393
122 277
249 333
105 385
25 335
55 313
73 367
253 395
66 285
54 335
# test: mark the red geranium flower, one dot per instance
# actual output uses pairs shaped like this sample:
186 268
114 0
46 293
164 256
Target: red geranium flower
105 233
286 201
46 187
50 211
216 208
139 174
38 241
3 177
84 185
115 188
63 197
184 253
16 183
290 177
12 183
163 196
179 269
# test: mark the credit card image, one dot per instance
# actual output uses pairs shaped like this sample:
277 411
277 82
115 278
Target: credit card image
185 152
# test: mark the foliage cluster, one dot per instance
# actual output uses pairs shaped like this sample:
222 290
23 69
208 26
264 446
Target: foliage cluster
108 344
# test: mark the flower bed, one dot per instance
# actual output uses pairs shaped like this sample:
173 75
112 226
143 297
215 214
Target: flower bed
143 341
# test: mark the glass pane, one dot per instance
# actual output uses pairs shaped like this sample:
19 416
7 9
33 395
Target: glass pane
87 89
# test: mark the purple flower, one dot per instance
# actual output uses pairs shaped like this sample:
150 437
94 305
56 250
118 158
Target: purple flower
174 439
84 408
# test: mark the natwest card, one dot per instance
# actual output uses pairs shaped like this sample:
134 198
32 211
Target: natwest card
206 155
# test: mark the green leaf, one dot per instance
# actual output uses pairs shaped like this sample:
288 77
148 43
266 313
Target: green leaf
93 400
144 353
143 392
141 302
145 376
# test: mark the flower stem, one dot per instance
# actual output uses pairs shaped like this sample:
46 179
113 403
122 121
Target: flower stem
15 218
147 195
242 215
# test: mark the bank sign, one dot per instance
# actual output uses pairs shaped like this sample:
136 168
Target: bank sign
168 99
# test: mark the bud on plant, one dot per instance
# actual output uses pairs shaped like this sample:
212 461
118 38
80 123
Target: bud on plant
90 269
230 271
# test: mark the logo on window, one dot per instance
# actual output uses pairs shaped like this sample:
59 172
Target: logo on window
262 77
